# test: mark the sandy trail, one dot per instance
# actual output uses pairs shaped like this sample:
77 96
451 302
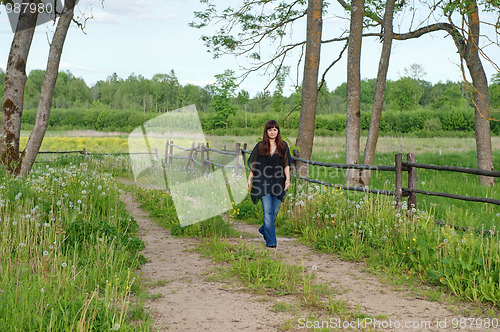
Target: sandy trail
186 301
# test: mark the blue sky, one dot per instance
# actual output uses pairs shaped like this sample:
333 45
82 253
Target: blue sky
147 37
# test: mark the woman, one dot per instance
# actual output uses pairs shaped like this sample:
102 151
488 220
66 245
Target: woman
269 177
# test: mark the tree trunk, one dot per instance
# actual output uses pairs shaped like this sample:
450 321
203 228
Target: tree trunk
481 97
353 121
305 136
45 102
378 100
15 80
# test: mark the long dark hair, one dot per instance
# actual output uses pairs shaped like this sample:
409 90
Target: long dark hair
265 147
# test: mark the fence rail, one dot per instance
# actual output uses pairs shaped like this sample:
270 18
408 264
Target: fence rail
400 166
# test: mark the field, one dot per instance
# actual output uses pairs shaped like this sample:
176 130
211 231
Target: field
69 247
440 151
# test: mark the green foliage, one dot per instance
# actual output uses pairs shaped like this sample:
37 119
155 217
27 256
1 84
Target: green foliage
81 231
404 93
224 89
366 226
67 248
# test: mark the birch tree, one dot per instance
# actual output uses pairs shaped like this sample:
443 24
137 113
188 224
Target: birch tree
15 80
378 100
45 103
353 119
305 136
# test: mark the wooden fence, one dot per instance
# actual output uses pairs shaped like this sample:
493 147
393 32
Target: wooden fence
410 165
400 166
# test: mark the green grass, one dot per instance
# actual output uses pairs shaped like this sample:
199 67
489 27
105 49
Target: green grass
367 227
451 211
67 251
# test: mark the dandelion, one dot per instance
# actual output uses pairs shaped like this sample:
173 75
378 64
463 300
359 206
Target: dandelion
116 327
42 289
64 264
445 240
314 267
14 223
84 192
45 253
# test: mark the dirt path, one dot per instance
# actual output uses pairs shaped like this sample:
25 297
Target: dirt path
185 301
360 289
188 302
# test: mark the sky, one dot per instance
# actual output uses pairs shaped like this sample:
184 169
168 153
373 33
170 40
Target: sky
146 37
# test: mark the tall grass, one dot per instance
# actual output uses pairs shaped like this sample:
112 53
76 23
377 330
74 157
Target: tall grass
451 211
361 226
67 251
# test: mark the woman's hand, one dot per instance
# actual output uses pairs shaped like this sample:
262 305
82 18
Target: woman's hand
287 184
249 182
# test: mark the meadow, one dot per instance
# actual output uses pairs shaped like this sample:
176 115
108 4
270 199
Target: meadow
367 227
69 250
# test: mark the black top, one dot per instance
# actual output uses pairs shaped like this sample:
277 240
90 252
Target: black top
268 173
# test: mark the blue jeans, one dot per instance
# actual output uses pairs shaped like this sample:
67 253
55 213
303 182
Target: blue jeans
270 207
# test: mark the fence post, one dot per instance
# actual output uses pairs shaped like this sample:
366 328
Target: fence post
398 191
196 151
208 157
166 152
156 153
171 152
237 159
190 157
243 154
412 182
203 159
84 152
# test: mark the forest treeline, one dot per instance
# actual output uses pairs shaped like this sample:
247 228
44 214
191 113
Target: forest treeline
118 104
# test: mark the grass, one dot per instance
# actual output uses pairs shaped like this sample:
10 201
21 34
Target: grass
263 273
67 251
367 227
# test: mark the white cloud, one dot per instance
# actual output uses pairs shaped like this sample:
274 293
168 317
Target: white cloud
121 11
143 9
106 18
70 66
